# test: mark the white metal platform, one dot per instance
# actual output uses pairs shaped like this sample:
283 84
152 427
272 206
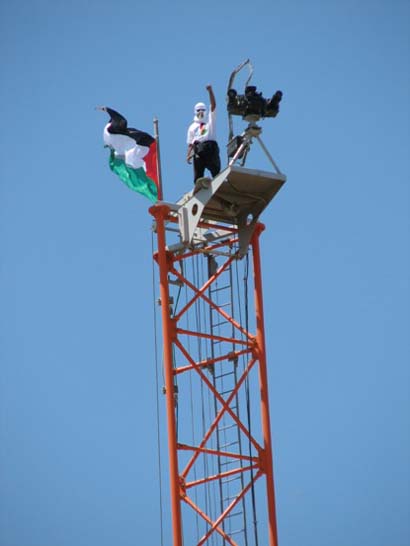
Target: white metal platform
236 196
244 193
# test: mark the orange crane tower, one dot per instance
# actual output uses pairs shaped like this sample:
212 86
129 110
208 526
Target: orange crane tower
214 356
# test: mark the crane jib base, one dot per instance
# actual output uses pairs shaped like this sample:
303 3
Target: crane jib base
236 196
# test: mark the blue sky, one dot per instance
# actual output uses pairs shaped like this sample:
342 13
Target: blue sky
78 456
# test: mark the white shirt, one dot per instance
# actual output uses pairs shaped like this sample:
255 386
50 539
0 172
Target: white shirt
199 132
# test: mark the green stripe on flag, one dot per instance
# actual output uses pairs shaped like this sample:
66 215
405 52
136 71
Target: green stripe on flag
135 179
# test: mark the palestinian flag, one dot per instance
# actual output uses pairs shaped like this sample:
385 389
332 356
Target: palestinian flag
133 155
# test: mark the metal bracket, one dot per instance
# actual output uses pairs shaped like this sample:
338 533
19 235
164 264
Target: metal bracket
189 214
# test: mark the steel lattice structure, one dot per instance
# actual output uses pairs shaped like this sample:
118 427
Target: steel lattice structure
181 361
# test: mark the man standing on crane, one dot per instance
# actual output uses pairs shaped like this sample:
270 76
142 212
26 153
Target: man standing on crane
201 139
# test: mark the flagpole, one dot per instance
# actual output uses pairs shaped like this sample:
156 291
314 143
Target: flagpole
156 135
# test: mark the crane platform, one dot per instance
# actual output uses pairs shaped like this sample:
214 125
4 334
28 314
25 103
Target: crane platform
236 196
244 193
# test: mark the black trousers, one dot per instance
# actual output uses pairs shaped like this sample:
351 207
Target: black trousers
206 156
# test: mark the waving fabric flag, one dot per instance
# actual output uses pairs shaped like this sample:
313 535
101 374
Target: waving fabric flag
133 155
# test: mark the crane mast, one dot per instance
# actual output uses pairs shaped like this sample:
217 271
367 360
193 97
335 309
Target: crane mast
214 348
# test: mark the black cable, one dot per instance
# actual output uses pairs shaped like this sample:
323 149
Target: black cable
179 293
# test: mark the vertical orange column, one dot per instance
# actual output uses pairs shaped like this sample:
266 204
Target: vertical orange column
263 378
160 212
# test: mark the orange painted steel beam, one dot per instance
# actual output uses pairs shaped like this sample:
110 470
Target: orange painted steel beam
225 408
233 340
211 361
263 381
209 250
206 518
231 229
211 304
160 213
226 474
217 452
229 509
199 293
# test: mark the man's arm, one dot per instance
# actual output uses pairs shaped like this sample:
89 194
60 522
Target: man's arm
211 97
190 153
190 142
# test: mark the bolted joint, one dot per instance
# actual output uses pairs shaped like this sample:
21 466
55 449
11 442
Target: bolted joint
176 391
256 352
170 301
210 366
173 329
262 460
169 259
170 304
257 231
182 487
233 357
159 211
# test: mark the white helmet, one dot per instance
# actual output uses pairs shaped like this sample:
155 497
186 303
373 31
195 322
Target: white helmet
200 112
